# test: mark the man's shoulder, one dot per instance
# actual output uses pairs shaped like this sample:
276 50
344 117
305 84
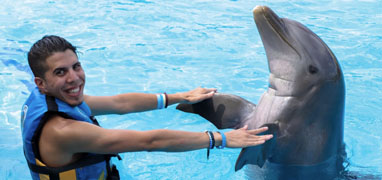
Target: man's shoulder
55 121
63 129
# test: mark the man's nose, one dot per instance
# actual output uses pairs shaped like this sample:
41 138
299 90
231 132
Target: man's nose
72 76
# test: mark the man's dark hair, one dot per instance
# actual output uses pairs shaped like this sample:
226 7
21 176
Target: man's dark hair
44 48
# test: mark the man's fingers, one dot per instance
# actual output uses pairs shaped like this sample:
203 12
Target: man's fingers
199 94
245 127
255 143
246 138
201 98
209 90
262 137
260 140
209 95
266 137
257 131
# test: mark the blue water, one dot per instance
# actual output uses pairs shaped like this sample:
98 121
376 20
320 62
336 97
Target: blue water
172 46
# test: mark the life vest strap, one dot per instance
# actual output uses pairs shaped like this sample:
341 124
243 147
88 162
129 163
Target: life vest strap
86 161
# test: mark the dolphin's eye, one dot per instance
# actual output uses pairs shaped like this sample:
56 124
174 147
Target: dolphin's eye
313 69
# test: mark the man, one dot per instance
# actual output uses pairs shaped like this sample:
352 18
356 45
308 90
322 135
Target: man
61 138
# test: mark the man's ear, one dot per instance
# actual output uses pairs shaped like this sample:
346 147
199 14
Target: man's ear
41 84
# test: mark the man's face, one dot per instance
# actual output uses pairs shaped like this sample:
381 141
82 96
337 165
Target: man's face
64 79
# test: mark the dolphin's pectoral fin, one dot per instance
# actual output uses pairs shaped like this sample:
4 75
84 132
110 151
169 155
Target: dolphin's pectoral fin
223 110
257 155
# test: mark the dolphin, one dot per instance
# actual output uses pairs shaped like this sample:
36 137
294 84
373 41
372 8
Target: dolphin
303 105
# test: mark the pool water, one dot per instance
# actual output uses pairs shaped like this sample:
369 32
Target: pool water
171 46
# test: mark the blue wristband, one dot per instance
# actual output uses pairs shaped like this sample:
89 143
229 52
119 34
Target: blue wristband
159 101
224 141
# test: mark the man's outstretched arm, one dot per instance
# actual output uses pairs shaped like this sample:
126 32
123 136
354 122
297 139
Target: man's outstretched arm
61 139
138 102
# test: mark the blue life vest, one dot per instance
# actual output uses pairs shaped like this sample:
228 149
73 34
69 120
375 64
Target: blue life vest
35 113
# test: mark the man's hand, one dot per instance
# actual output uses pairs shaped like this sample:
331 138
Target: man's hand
197 95
244 138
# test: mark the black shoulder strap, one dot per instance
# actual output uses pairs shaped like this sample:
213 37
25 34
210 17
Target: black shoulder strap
94 120
51 103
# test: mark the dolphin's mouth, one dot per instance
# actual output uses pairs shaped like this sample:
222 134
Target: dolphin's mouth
264 16
275 82
272 18
277 42
284 88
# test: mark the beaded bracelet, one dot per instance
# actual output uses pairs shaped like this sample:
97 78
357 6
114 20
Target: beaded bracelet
212 143
213 139
166 100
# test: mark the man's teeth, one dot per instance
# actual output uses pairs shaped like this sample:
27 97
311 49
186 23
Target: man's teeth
74 90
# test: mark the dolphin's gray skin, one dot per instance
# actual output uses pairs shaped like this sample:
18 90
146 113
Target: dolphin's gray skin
303 106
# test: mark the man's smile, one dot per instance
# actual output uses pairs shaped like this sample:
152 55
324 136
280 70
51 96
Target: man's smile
74 91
